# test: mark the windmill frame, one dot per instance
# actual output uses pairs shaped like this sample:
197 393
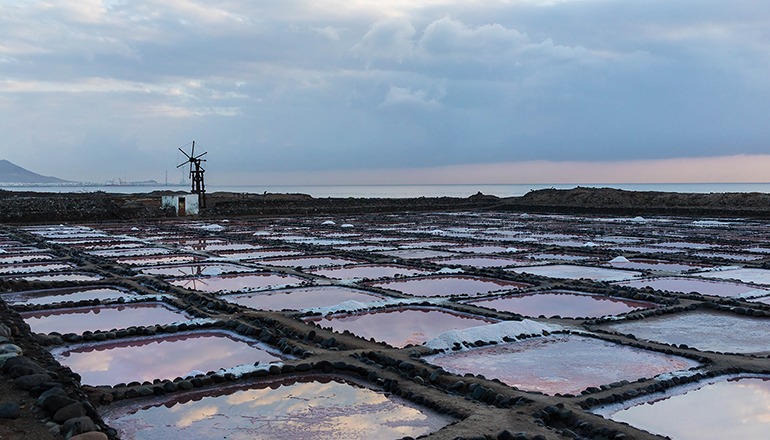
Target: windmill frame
198 185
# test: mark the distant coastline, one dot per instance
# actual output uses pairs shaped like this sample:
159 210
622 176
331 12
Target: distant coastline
392 191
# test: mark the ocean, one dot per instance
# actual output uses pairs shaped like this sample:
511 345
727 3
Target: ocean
409 191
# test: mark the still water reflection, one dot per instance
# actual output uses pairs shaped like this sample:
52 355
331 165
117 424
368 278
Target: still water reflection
161 357
736 408
293 409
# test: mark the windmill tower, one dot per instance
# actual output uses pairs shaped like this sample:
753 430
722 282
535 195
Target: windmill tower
196 174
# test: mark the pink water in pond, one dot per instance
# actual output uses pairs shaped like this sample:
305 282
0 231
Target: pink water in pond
698 285
51 296
161 357
565 364
310 407
449 285
303 298
195 269
310 261
34 267
234 283
728 409
414 254
371 271
79 319
564 304
402 326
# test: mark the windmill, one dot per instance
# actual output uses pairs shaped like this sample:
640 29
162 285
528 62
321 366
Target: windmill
196 174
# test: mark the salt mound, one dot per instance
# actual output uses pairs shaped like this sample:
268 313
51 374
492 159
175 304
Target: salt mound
620 259
213 227
491 332
328 223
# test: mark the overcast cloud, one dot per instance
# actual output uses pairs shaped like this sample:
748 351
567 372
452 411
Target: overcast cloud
95 90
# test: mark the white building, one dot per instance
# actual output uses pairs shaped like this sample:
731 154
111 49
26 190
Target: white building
186 204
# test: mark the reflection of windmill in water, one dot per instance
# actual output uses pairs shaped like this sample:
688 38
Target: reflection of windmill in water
192 283
196 174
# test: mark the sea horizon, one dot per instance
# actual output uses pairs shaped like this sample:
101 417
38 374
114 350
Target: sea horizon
402 190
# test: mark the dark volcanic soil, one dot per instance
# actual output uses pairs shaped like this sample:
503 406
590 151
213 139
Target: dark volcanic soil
32 207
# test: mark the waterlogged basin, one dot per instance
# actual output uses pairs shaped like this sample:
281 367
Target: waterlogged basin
160 259
162 356
201 269
481 262
560 363
564 304
719 409
370 271
401 326
52 296
711 331
449 285
698 285
257 254
309 407
310 261
654 265
302 298
574 272
71 276
746 275
235 283
34 268
79 319
23 257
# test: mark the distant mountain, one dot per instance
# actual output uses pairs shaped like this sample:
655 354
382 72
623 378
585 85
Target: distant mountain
12 173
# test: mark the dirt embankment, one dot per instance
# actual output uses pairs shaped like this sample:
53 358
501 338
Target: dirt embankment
19 207
621 202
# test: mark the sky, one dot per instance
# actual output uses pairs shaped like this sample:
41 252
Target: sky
371 91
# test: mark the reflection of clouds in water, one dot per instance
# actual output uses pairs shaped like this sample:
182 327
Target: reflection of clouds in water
96 361
196 414
300 410
754 400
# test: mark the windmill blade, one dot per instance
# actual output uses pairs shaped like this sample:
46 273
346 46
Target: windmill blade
200 155
183 163
185 153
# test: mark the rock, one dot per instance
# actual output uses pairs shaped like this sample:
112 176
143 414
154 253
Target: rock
69 412
93 435
56 402
78 425
31 381
5 331
21 366
48 393
10 410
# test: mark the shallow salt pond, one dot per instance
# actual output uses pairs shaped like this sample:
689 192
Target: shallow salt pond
161 356
302 298
204 269
23 258
309 407
746 275
235 283
574 272
34 268
718 409
449 285
565 364
713 331
158 260
401 326
564 304
52 296
73 276
370 271
698 285
79 319
258 254
654 265
310 261
481 262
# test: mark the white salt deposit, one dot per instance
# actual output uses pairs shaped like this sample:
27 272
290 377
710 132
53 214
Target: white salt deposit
490 332
620 259
212 227
358 306
328 223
